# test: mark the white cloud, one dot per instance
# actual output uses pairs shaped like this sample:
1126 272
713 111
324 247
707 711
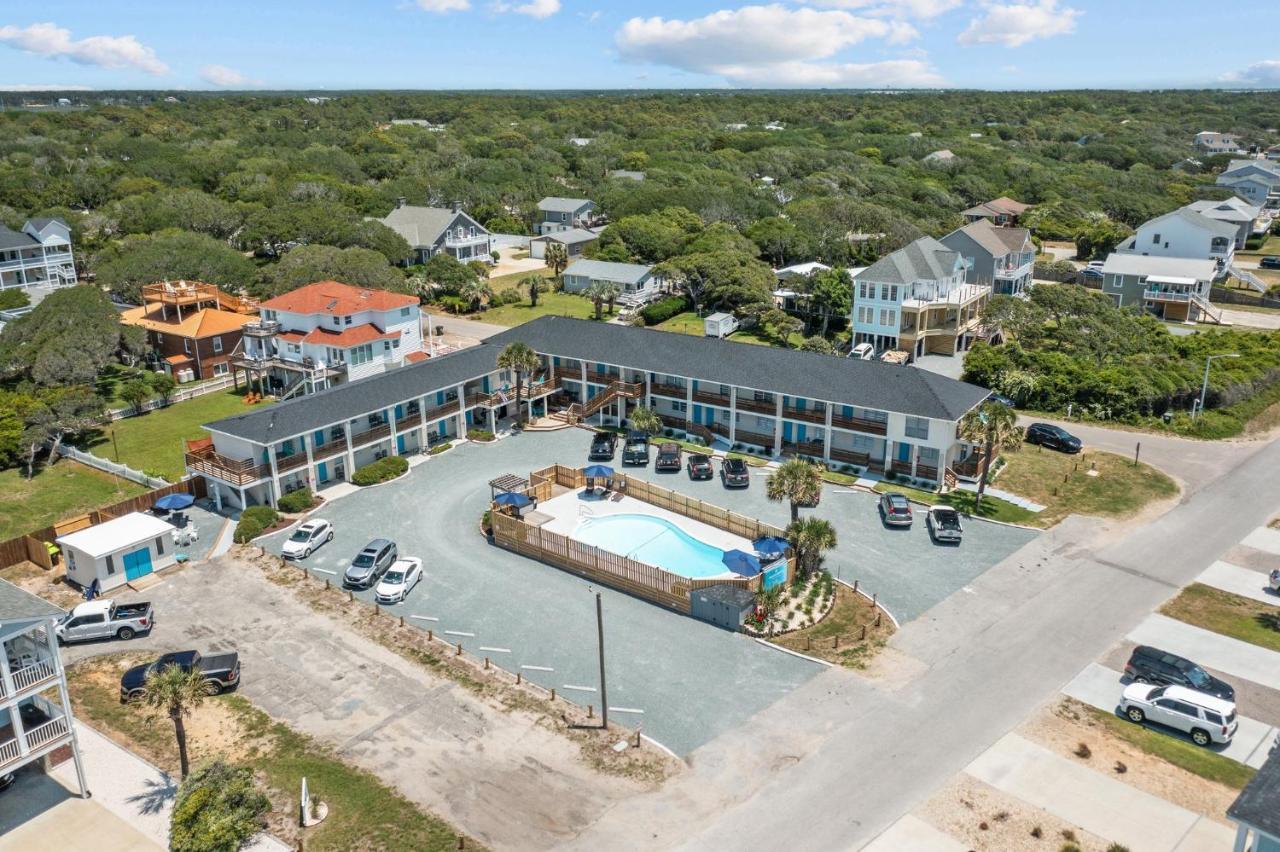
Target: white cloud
221 75
1265 74
534 8
896 8
35 87
890 74
443 6
752 35
1016 24
48 39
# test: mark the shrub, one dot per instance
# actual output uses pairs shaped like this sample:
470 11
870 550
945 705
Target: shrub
439 448
296 501
14 297
387 467
1083 751
1116 847
217 808
253 521
664 309
1037 832
479 435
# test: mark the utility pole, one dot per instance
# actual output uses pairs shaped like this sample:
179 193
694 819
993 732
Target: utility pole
604 695
1197 410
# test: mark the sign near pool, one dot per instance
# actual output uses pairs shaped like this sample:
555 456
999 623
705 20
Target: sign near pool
775 574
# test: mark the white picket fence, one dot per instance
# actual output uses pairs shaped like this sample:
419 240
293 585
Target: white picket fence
179 395
122 470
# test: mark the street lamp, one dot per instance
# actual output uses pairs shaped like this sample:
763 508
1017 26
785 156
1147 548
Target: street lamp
1204 388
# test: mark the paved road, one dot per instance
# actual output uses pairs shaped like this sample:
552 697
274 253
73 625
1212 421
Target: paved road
462 327
1252 319
865 753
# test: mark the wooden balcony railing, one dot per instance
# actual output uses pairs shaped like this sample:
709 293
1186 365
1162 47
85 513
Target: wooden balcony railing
664 389
926 472
808 415
972 466
671 421
233 471
850 457
450 407
329 450
709 398
602 378
759 439
760 406
901 467
411 420
289 462
368 436
859 424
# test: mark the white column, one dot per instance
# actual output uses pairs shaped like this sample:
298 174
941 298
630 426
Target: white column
1242 837
275 473
391 424
648 389
66 708
777 425
313 482
462 412
826 437
350 455
688 401
733 414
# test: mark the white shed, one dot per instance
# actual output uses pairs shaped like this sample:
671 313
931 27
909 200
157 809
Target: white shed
719 325
118 551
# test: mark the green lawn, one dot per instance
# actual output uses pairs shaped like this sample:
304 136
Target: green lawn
1231 615
154 442
114 376
1181 753
506 282
685 323
554 304
56 492
1271 246
690 323
1062 483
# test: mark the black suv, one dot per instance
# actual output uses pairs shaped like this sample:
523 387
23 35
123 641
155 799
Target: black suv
700 466
1053 437
1269 262
668 457
636 449
734 473
603 445
1151 665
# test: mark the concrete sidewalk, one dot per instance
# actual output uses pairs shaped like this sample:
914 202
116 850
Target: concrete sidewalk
914 834
1209 649
1265 539
1239 581
1097 803
1101 687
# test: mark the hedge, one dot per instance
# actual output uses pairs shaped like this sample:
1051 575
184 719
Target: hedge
388 467
14 297
253 521
481 435
218 807
664 309
296 501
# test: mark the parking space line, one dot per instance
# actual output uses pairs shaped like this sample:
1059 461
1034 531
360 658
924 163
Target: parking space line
322 570
424 617
495 650
459 633
579 688
626 710
538 668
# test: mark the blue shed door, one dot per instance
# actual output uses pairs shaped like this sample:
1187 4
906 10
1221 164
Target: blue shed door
400 444
322 471
137 564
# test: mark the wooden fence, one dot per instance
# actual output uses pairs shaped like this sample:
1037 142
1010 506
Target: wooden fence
1224 295
31 546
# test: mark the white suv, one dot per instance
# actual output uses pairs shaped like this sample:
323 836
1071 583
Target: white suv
1204 718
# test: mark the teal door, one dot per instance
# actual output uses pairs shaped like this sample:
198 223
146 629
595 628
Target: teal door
400 444
322 472
137 564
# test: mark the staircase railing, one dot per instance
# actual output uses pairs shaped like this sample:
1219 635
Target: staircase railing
1249 278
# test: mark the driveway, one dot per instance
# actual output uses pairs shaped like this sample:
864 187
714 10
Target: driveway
460 327
1251 319
692 681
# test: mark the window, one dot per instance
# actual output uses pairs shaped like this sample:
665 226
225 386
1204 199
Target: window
395 344
917 427
217 345
160 545
893 293
220 369
346 320
764 423
1155 240
337 320
186 345
680 406
862 290
884 316
361 354
386 346
111 564
404 312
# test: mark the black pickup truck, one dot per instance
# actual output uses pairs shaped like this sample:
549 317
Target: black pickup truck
220 671
603 446
636 449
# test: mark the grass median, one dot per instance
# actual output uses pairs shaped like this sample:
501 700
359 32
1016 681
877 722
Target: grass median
1231 615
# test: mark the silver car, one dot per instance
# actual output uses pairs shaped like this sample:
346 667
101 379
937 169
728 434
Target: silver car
944 525
370 564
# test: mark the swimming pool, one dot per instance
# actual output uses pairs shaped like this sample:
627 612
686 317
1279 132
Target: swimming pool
655 541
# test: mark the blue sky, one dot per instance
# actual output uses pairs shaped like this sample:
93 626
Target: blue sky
539 44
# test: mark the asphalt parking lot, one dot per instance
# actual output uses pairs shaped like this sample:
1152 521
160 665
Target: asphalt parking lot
692 681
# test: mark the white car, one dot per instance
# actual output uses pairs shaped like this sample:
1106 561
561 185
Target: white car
399 580
1274 581
307 538
1204 718
944 525
862 352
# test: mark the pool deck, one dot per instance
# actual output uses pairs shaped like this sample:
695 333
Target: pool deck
569 510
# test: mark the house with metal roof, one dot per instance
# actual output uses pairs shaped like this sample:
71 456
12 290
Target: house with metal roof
1000 257
1172 288
1256 181
865 414
918 300
38 254
1243 214
638 282
36 723
432 230
564 214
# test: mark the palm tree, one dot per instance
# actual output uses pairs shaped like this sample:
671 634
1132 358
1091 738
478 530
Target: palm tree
534 284
177 693
795 480
612 290
597 292
521 358
995 426
556 258
474 291
811 538
645 420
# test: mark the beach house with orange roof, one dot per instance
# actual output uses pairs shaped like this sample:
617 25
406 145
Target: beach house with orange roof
328 333
192 327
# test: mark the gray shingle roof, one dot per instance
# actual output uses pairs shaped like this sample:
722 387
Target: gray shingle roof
997 241
925 259
1222 229
604 270
11 239
572 236
1231 210
19 605
421 227
40 223
844 381
1258 804
554 204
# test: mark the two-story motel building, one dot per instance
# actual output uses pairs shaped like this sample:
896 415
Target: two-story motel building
869 414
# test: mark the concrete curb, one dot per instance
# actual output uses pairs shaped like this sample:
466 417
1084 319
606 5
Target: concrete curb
654 742
880 606
769 644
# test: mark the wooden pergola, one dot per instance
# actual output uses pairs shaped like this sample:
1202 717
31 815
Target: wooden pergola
507 482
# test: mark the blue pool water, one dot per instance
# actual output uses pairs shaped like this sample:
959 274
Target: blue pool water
655 541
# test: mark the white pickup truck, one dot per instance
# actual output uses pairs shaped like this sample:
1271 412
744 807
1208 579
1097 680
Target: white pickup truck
105 619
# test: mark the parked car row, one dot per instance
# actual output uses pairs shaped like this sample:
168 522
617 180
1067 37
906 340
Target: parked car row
671 456
943 522
1172 691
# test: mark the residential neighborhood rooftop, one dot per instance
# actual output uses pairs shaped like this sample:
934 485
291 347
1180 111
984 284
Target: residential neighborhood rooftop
555 204
1002 206
570 236
205 322
334 297
1200 269
109 536
995 239
1259 802
420 226
20 605
627 273
925 259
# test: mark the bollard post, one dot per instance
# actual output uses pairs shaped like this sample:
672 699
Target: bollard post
486 664
518 678
377 610
458 653
874 597
402 621
350 596
855 586
591 711
864 633
462 842
835 642
326 584
806 643
431 635
1137 451
637 738
553 693
877 619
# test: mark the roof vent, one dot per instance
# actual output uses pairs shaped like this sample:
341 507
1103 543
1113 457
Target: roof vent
333 303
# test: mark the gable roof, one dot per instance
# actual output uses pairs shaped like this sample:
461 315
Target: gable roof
1258 804
11 239
1002 206
205 322
1201 269
1196 220
623 273
571 236
995 240
1234 209
870 384
20 605
42 222
334 297
421 227
924 259
555 204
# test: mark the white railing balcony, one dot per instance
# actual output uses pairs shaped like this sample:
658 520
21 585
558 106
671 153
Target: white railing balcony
33 675
46 732
57 257
466 241
1170 296
1013 270
9 752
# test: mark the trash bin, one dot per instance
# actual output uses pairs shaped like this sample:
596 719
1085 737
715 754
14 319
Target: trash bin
1167 417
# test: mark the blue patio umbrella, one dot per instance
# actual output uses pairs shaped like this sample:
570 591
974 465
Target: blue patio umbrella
511 498
741 562
597 471
771 546
169 502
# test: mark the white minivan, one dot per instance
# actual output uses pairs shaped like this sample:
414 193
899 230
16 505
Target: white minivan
863 352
